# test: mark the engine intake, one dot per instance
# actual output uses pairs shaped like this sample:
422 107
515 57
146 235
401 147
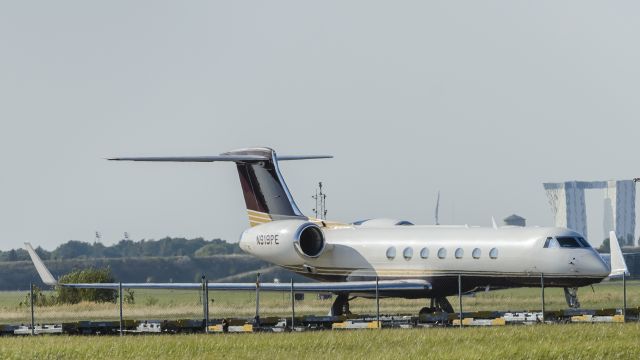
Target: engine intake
310 240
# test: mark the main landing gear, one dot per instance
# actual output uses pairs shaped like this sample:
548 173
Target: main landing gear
340 305
571 295
440 304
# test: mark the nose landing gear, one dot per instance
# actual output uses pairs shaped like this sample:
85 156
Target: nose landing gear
571 296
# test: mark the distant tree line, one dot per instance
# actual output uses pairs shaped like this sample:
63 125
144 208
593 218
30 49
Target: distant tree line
74 249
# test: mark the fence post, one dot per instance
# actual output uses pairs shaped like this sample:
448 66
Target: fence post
205 303
33 319
624 296
257 318
460 297
120 298
542 294
378 304
293 307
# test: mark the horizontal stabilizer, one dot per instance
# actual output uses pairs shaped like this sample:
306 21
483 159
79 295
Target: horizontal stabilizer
223 157
233 158
44 273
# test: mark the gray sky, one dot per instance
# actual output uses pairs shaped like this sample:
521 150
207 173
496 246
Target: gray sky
481 100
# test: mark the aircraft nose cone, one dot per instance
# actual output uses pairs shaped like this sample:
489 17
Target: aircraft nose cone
594 265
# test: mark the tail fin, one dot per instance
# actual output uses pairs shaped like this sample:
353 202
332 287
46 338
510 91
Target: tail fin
265 193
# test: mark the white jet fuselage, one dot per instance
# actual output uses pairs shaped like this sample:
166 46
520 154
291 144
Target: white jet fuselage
485 257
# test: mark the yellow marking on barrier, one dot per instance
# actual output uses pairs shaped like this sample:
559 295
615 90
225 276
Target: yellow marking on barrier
499 322
480 322
617 318
247 328
215 328
581 318
374 325
341 325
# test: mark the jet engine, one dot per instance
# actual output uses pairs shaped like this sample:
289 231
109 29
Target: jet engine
291 242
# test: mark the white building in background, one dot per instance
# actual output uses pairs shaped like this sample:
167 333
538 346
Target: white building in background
569 209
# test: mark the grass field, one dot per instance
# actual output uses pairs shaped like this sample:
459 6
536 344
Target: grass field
164 304
587 341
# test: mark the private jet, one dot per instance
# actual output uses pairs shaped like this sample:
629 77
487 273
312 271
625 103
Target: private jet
393 257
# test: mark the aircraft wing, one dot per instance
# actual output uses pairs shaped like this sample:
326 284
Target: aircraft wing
347 286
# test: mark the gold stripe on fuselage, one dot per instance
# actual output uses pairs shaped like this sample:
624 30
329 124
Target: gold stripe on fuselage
258 218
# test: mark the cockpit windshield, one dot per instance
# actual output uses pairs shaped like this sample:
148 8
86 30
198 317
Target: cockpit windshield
566 242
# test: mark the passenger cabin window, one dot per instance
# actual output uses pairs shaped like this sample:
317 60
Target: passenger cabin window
424 253
391 253
407 253
476 253
459 253
442 253
493 253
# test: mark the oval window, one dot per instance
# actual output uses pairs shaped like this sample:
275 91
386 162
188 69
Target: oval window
493 253
391 253
476 253
459 253
424 253
442 253
407 253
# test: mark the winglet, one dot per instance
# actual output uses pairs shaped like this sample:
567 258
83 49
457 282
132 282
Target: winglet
44 273
493 223
618 265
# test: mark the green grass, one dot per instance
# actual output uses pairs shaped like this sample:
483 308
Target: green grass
587 341
165 304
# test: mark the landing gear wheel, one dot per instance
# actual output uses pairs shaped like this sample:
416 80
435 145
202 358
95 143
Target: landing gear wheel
426 311
340 305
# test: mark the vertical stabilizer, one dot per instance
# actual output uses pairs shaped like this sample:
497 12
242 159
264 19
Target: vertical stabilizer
266 195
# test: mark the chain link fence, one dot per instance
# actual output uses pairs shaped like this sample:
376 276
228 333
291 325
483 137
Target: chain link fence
243 306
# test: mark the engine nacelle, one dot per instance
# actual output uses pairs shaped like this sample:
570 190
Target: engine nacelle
290 242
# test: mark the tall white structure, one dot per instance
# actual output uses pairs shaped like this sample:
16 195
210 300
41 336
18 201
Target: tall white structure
569 208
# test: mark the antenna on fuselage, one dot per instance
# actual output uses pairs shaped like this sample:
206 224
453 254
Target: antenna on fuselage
320 197
437 208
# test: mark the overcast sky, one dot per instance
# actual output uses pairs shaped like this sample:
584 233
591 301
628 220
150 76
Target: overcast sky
482 100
